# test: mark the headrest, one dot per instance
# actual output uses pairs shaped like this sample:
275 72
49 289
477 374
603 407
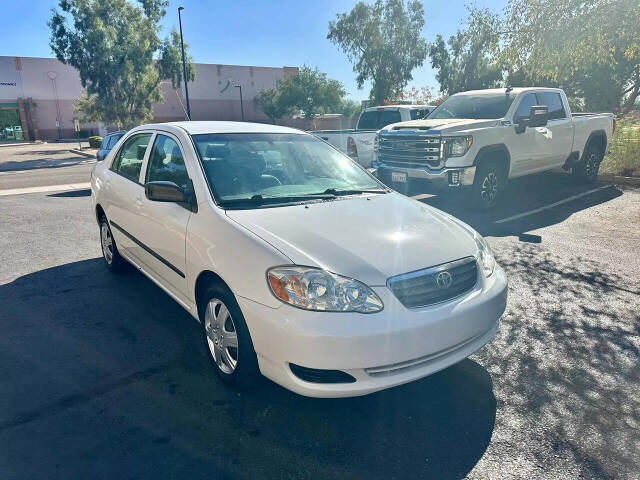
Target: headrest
176 153
215 150
140 152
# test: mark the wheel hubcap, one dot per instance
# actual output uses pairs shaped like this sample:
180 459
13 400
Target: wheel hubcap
592 166
107 243
489 187
222 337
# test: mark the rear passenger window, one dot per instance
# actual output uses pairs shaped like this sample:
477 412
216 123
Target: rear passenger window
554 102
418 114
166 162
128 161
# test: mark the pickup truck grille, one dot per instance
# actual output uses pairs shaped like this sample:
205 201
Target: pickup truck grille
410 150
435 284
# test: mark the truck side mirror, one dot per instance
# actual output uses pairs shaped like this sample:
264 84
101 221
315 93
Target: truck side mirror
538 116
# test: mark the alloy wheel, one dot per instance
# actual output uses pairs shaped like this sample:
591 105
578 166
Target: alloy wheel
591 167
222 336
107 242
489 189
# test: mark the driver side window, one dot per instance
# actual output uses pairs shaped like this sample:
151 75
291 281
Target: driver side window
528 101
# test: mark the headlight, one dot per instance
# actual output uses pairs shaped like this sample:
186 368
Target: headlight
315 289
458 146
484 256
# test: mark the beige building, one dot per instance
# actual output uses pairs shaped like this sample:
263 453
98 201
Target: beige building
37 97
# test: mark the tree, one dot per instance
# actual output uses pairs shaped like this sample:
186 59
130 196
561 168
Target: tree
589 47
310 91
350 108
269 100
383 42
469 59
418 96
112 44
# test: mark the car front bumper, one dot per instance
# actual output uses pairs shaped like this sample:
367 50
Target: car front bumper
379 350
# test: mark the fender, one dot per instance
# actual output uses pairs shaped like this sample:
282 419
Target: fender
593 137
487 150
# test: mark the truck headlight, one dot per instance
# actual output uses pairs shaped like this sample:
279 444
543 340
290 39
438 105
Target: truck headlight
484 256
458 146
316 289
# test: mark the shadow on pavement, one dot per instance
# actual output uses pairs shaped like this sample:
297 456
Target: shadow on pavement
21 165
523 195
86 192
105 376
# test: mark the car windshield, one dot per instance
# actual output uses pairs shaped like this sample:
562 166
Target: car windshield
489 106
249 170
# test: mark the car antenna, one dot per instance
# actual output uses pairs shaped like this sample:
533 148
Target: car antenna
508 89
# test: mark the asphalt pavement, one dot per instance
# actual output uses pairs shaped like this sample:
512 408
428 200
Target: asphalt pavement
105 376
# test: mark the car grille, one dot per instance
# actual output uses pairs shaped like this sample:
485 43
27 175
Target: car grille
410 149
435 284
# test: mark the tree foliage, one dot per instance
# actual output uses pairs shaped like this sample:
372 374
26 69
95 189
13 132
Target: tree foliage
112 44
590 47
469 60
309 91
383 42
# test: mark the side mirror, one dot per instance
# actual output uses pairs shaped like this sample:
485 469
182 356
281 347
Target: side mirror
164 192
538 116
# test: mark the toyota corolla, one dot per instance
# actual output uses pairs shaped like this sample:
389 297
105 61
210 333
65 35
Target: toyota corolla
298 263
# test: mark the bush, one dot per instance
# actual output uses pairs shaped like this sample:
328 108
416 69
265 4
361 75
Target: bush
95 141
624 150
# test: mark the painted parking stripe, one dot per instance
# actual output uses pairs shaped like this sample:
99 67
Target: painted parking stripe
551 205
44 189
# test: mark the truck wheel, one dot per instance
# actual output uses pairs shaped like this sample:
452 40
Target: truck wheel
227 338
488 186
587 170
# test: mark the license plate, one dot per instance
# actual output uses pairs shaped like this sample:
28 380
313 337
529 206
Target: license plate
399 177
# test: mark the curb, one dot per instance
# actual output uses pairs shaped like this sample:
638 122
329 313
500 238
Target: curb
619 180
84 154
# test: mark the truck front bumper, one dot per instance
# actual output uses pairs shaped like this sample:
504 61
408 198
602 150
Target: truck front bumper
448 176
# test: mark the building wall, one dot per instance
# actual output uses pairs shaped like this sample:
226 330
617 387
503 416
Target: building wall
31 77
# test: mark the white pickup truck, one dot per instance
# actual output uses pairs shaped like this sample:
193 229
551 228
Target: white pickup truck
480 139
358 142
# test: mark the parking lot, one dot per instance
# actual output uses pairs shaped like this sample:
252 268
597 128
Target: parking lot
105 376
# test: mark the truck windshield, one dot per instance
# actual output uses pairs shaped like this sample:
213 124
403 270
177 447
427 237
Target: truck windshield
251 170
489 106
377 119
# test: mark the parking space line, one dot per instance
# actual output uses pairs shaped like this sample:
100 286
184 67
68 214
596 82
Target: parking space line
551 205
46 188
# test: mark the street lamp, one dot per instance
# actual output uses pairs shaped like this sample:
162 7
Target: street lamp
241 107
184 65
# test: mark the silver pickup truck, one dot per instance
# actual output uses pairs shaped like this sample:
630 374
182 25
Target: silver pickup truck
358 142
480 139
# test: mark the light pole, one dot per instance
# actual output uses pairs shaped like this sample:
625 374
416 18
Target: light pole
184 65
241 106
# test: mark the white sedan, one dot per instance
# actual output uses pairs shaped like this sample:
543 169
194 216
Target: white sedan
298 263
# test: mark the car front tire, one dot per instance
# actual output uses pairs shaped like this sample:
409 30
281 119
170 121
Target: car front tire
488 186
115 263
227 339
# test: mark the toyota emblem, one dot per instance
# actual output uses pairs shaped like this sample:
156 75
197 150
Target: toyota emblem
444 279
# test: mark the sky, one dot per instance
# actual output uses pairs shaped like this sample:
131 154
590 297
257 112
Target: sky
249 32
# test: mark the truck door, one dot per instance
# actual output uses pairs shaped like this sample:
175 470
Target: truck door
559 130
527 148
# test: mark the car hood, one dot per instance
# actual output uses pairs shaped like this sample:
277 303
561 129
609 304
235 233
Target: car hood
369 238
444 125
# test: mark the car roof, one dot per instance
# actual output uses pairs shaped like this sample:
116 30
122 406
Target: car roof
393 107
201 127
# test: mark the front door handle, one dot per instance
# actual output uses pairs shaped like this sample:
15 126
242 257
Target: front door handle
139 202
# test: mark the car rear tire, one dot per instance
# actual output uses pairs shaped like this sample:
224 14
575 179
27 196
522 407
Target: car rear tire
587 170
488 186
112 258
227 339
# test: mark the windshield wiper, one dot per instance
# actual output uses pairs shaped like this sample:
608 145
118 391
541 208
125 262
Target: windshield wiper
354 191
260 199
